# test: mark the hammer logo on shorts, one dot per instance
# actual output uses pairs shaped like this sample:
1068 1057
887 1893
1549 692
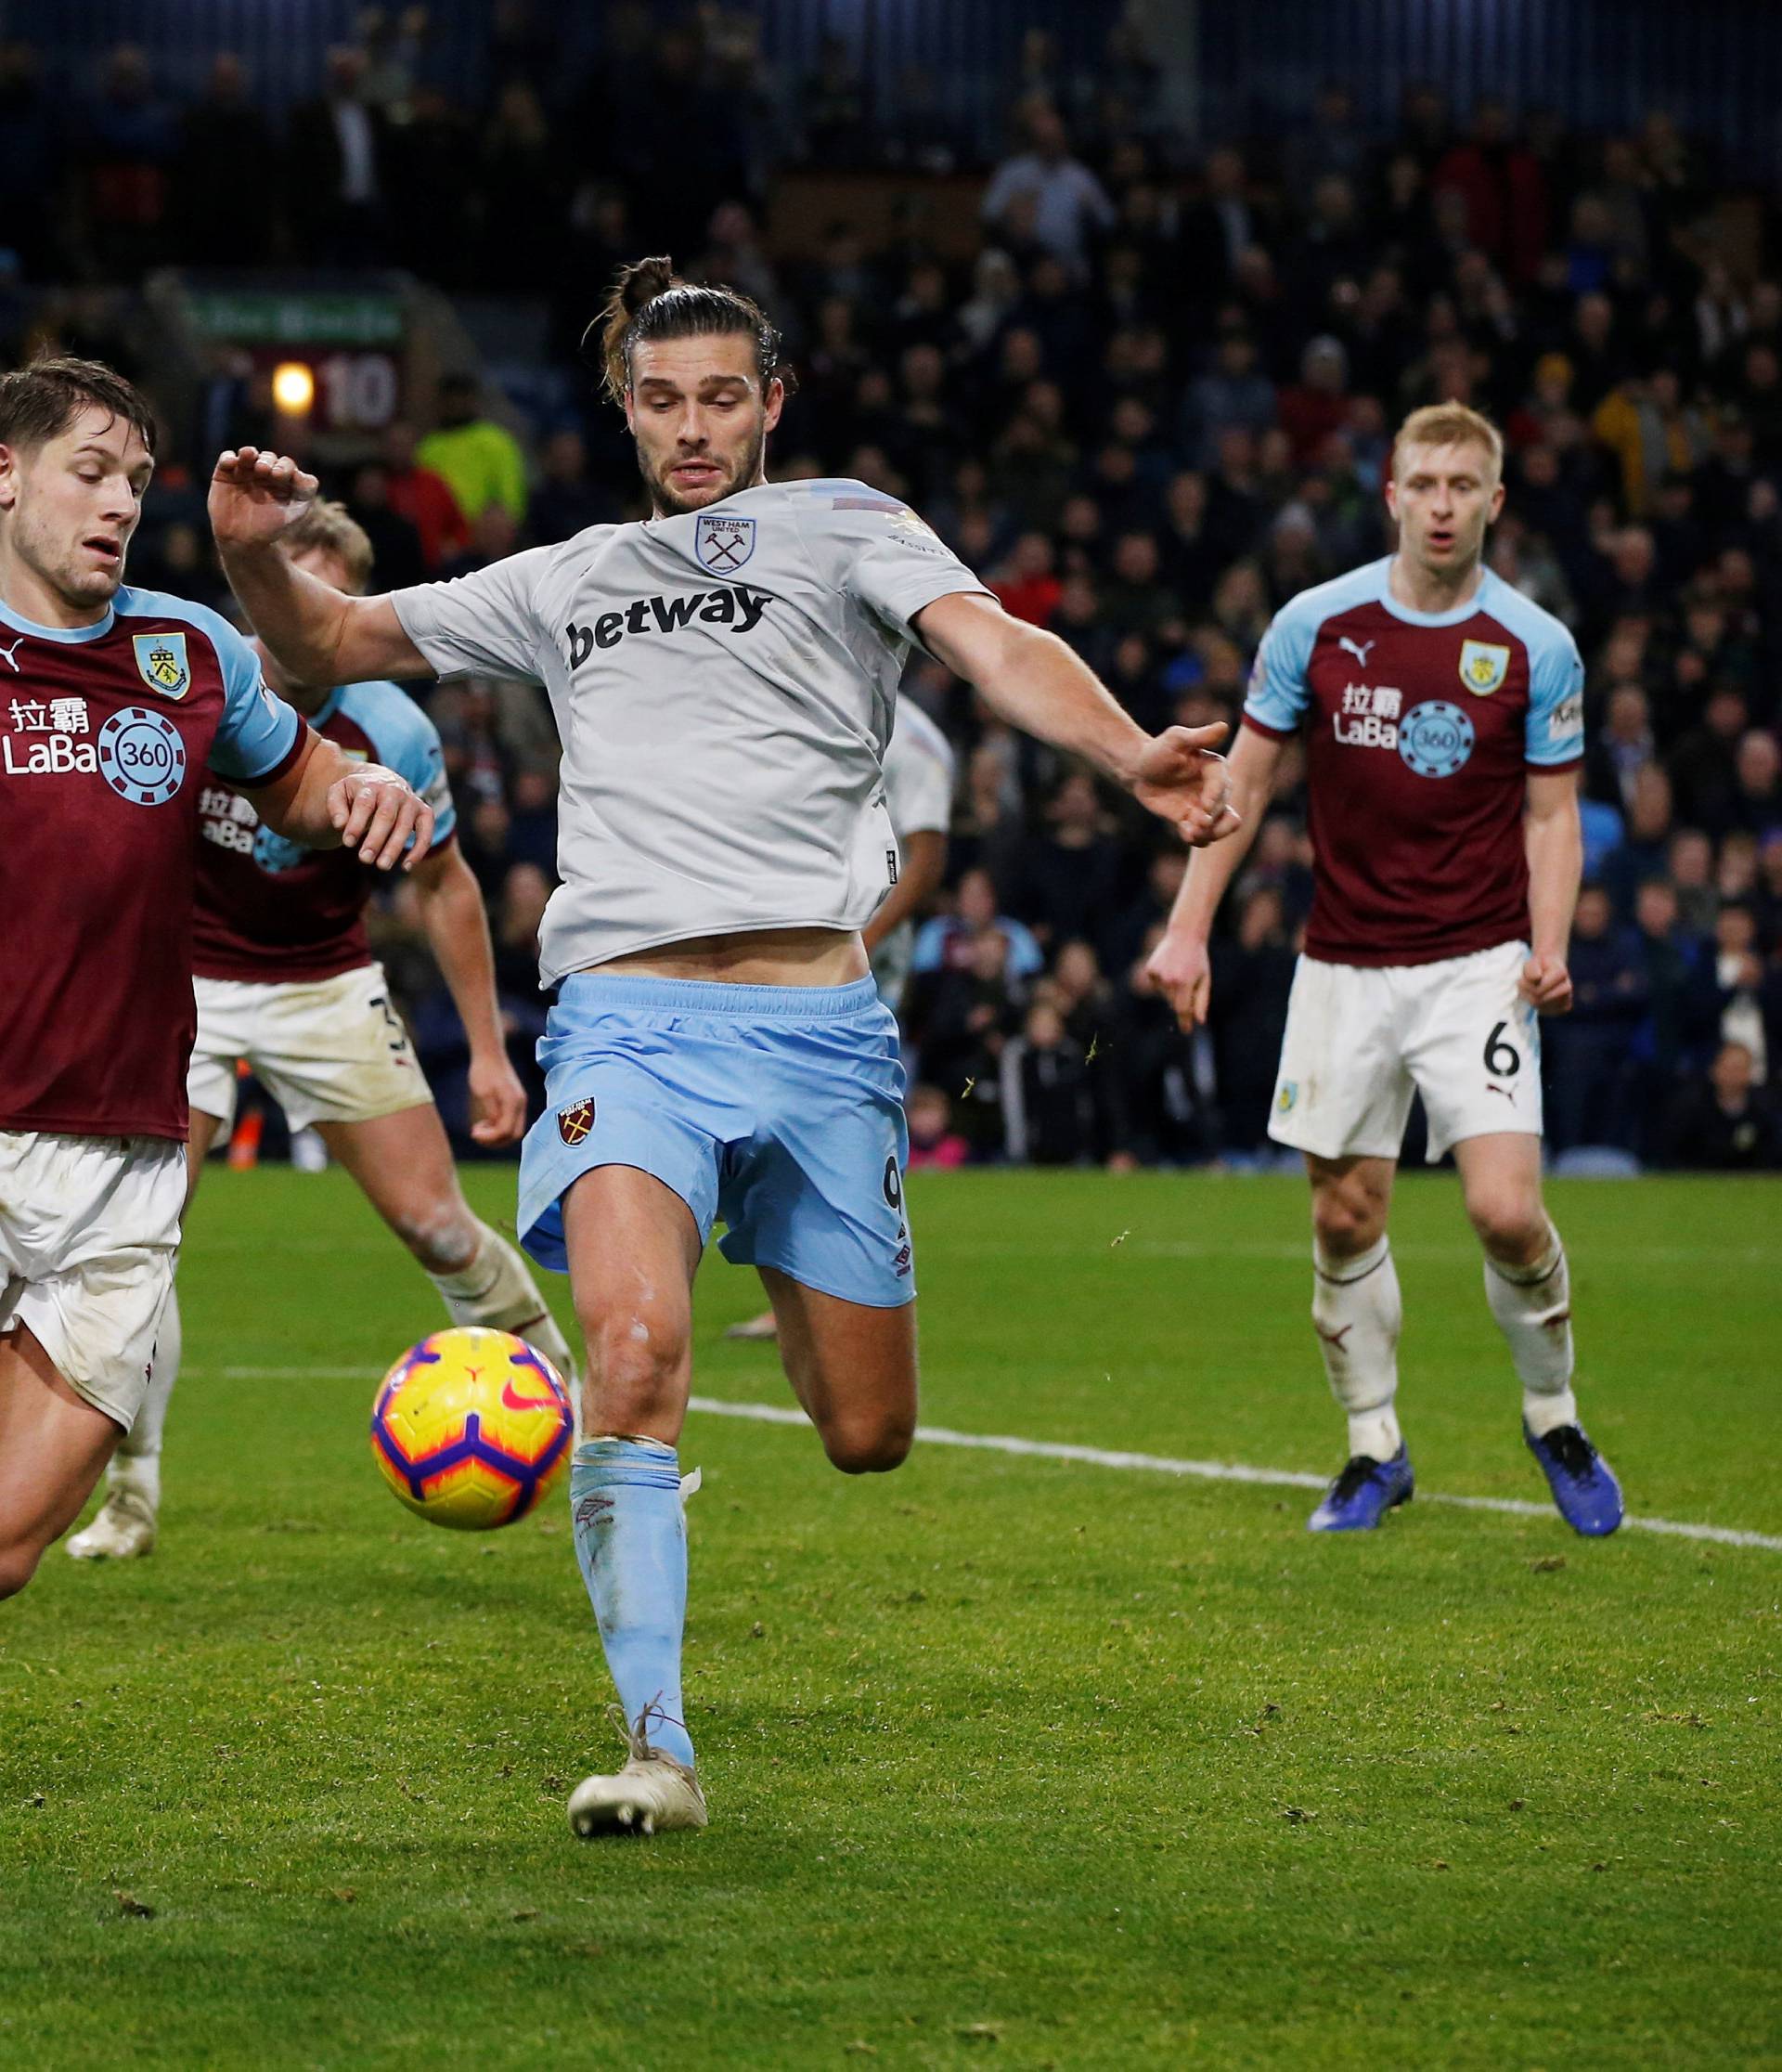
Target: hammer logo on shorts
575 1122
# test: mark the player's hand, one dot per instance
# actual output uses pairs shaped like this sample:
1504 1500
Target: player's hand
1546 984
255 495
498 1101
1180 970
1180 779
376 812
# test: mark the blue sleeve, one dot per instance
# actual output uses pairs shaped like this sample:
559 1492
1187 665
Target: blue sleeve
259 734
1556 723
407 742
1276 700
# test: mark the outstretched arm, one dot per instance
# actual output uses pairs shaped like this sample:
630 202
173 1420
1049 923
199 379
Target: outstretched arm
326 800
1031 678
316 633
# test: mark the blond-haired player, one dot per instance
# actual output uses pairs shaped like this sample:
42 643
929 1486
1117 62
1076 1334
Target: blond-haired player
1443 722
285 979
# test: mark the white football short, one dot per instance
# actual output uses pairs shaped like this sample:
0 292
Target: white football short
1362 1040
89 1235
328 1050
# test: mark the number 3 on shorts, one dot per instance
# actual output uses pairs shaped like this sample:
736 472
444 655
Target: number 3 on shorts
1503 1060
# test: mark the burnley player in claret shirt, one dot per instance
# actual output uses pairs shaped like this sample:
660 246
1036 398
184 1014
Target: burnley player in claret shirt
1443 714
117 708
287 984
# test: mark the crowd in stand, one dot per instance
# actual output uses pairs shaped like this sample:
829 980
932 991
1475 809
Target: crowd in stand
1153 403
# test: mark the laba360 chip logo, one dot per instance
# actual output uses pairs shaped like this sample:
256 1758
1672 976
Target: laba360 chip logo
575 1122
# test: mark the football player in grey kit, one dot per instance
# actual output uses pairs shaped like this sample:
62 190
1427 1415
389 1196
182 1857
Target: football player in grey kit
724 677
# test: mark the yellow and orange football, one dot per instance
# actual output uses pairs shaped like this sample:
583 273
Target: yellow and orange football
471 1427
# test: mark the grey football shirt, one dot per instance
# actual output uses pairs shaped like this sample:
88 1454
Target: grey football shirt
724 684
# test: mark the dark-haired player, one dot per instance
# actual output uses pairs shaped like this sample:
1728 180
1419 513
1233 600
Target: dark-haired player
1444 722
117 708
286 980
724 677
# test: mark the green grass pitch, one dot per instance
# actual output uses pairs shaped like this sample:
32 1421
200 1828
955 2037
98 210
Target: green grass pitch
1012 1761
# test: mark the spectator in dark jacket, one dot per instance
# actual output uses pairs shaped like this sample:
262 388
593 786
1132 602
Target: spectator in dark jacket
1048 1106
1584 1053
1252 975
1722 1122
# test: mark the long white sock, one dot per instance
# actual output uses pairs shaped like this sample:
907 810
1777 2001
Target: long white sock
498 1289
1357 1309
137 1464
1533 1305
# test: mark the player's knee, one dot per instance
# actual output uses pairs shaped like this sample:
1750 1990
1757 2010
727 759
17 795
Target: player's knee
1510 1222
869 1447
1347 1221
442 1241
637 1365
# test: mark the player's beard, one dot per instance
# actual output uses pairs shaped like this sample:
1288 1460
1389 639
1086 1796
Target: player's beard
60 568
666 504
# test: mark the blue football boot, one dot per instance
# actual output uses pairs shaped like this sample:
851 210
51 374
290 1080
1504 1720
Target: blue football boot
1363 1495
1582 1482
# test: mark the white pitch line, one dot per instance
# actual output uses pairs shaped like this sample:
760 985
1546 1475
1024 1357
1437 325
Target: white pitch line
1225 1470
1100 1457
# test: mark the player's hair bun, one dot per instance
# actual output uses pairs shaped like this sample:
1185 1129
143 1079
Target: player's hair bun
650 300
642 281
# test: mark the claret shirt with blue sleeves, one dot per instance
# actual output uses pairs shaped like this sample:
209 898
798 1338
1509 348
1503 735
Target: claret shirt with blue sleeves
1421 730
273 913
108 734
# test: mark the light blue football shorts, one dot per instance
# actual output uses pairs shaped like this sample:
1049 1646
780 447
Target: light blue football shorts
778 1108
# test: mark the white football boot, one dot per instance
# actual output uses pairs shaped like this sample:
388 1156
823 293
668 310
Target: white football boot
123 1529
650 1795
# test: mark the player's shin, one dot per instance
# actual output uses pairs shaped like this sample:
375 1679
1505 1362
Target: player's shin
1356 1310
497 1290
1533 1305
630 1530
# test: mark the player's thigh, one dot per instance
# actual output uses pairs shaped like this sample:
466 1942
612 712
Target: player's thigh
1343 1090
335 1050
1474 1048
817 1194
1351 1201
403 1164
853 1367
53 1445
633 1247
89 1238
